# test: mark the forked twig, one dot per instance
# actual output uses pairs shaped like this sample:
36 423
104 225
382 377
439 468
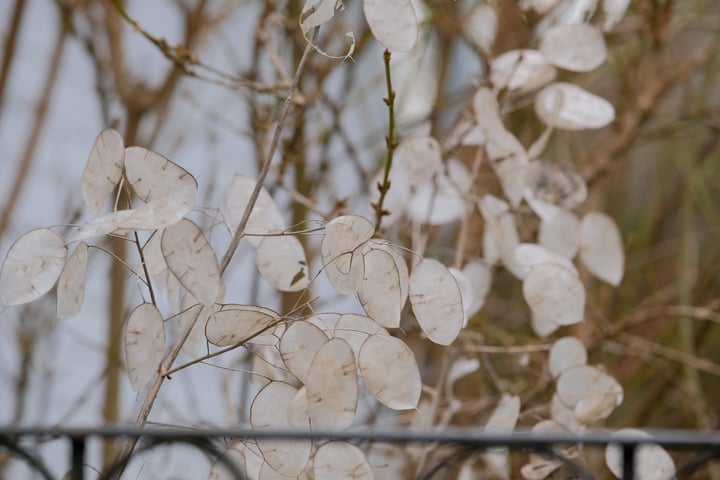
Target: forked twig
287 105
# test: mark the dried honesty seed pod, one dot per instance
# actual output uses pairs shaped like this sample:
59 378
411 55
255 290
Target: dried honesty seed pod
461 367
394 24
466 291
601 247
237 323
524 70
569 107
556 294
153 176
265 216
354 329
342 251
590 392
500 236
32 266
144 343
332 386
436 301
554 183
440 200
390 372
561 233
419 158
479 275
298 410
505 415
542 326
168 190
531 255
503 419
314 14
400 264
614 11
103 170
267 366
268 410
578 47
234 453
651 461
541 466
341 460
566 352
71 284
281 261
380 291
564 415
481 26
191 259
298 347
507 154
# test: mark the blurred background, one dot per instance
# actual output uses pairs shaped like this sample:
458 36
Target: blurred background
202 82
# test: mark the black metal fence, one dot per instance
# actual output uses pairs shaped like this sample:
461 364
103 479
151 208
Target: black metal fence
705 447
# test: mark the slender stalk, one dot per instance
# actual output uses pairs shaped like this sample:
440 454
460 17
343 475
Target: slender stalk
36 128
116 312
390 142
9 46
689 257
268 159
242 342
223 351
148 282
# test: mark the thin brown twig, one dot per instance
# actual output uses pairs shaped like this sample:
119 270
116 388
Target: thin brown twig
242 342
10 43
647 98
287 105
391 143
698 363
699 313
148 281
36 128
510 350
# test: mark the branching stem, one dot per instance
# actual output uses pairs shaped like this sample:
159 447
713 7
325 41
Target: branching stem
166 364
287 105
148 282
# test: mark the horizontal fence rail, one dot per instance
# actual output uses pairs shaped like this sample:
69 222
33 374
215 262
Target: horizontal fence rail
706 445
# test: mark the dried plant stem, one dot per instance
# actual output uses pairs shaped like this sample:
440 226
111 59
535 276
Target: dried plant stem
690 311
10 44
509 350
114 362
687 278
287 105
151 396
464 230
36 128
432 412
166 365
148 282
631 121
692 361
218 353
390 142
